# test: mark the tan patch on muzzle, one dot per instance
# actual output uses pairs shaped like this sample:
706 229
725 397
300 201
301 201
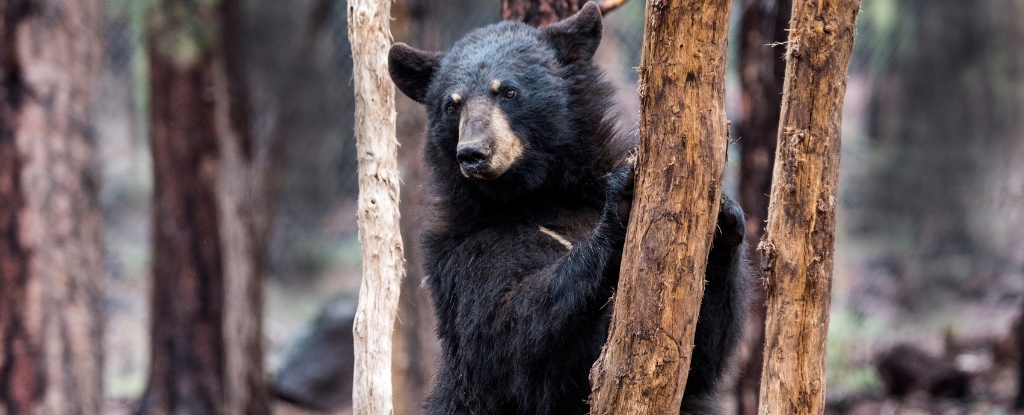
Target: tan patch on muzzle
484 125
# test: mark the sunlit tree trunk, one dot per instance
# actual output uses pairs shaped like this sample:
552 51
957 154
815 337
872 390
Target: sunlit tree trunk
683 137
51 244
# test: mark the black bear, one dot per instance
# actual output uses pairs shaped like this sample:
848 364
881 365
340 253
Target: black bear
530 194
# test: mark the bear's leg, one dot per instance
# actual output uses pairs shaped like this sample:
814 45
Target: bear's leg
722 312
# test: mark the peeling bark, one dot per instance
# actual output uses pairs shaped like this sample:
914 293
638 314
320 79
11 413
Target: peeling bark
799 241
683 139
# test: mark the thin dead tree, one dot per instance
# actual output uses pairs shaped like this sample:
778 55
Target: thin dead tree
683 138
799 241
51 228
378 215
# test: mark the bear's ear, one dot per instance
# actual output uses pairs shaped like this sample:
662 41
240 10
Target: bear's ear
576 37
412 69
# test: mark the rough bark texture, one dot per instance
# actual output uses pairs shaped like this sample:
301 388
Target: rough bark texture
244 225
799 241
186 373
51 248
378 215
762 68
683 138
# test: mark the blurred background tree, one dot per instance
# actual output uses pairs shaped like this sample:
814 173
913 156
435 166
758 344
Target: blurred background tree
51 246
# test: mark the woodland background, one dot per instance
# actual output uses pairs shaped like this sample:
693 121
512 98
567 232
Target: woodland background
930 237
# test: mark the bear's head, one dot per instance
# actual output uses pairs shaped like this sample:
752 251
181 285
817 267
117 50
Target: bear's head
512 108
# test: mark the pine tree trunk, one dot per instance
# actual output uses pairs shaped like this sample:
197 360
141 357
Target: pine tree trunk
762 68
245 222
683 139
51 248
799 241
378 215
186 373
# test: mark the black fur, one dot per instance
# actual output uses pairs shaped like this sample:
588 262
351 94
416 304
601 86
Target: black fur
521 317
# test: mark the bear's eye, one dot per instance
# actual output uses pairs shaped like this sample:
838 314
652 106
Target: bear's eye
450 108
510 93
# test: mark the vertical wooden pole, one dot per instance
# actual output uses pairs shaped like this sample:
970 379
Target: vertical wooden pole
799 241
683 139
379 232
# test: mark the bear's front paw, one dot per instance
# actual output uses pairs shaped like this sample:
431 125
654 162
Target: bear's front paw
619 201
731 226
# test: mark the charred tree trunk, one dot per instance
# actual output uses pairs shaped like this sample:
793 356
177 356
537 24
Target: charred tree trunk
683 139
51 249
799 241
245 221
762 68
186 373
378 216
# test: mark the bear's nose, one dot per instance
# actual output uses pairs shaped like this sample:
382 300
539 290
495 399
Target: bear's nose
471 156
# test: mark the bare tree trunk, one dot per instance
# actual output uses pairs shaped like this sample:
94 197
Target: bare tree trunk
799 242
683 139
51 248
762 68
245 222
186 373
379 229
